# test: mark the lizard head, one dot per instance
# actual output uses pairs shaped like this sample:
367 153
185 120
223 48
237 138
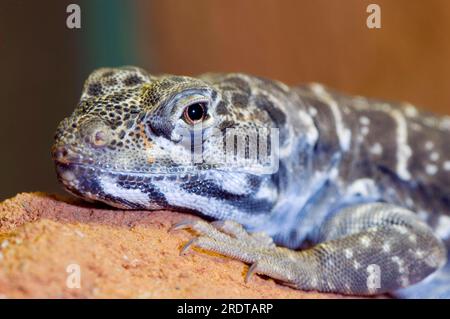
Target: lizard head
170 142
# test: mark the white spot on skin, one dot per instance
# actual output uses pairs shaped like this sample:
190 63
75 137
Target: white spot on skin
343 133
348 253
410 110
431 121
419 253
446 165
400 263
434 156
365 241
360 102
364 120
401 229
68 176
445 123
412 238
435 259
386 247
365 130
266 192
443 227
429 145
312 111
431 169
409 202
356 265
376 149
310 129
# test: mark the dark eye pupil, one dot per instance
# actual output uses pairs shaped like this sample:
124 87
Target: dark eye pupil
195 112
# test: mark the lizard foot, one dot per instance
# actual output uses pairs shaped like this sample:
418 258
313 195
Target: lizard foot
232 240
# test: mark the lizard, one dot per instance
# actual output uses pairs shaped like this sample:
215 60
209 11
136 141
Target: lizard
348 194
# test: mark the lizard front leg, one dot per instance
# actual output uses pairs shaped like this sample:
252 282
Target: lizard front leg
365 249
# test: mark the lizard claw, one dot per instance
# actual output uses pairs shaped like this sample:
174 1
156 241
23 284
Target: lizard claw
188 245
182 225
251 271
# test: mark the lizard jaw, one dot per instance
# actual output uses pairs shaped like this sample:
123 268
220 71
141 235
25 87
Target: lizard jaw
120 190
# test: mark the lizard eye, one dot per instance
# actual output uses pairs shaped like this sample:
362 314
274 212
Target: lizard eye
194 113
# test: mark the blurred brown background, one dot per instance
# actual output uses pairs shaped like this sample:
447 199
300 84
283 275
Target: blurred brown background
44 63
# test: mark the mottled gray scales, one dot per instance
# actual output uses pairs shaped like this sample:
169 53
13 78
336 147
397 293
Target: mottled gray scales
361 189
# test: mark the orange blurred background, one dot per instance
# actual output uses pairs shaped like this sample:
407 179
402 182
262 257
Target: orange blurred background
301 41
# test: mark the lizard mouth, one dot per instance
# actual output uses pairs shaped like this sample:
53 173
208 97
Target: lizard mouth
125 190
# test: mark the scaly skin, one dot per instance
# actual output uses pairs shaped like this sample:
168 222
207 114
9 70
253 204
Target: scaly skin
359 185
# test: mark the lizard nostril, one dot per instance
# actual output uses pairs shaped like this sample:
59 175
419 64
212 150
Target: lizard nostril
59 153
62 154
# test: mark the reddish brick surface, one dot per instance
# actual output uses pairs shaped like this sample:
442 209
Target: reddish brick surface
121 254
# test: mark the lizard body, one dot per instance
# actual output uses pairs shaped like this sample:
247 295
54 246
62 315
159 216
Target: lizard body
356 183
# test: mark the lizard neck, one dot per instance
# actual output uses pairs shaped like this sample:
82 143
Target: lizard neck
309 165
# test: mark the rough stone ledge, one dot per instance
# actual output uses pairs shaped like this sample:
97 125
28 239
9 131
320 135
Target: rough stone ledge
121 254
